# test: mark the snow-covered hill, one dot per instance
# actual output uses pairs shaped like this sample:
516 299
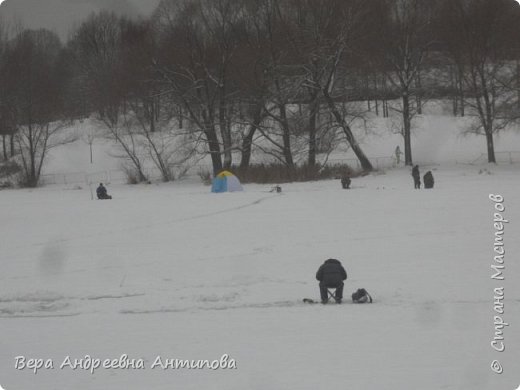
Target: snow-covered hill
438 138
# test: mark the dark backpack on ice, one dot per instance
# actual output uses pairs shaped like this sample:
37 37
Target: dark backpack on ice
361 296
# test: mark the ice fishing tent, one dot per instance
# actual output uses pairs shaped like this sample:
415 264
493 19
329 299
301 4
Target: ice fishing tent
225 181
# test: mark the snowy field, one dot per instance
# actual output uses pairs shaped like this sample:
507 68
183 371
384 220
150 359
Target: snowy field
173 271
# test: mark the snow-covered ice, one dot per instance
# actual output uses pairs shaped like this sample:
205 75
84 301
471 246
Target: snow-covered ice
172 270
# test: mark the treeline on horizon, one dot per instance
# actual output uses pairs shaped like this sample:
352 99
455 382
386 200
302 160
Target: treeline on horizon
280 77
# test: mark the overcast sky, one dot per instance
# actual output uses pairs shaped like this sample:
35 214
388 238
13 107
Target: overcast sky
61 15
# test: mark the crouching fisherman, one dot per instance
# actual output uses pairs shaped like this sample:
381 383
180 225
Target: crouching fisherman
428 180
331 274
102 193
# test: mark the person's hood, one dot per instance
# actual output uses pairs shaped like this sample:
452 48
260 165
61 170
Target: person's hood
329 261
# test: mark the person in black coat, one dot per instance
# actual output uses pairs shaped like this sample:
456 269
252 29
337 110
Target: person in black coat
428 180
416 177
102 193
331 274
345 182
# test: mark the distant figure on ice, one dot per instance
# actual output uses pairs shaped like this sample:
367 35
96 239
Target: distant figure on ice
398 155
331 274
416 177
101 192
361 296
345 181
428 180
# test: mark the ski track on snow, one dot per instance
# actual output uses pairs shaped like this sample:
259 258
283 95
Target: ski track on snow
293 304
56 306
49 305
152 225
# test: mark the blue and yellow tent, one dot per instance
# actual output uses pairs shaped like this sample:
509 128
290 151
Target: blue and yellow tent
225 181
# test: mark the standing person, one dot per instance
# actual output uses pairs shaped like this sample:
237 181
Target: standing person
398 155
416 177
345 181
331 274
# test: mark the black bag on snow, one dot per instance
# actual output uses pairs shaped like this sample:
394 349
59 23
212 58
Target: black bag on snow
361 296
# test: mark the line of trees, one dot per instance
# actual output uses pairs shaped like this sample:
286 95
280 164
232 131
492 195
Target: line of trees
285 78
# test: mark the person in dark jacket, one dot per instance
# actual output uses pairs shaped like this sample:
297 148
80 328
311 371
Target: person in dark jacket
345 182
416 177
398 154
101 192
428 180
331 274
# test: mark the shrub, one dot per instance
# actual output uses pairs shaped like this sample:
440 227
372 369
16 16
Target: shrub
205 176
279 173
6 184
133 176
9 168
10 173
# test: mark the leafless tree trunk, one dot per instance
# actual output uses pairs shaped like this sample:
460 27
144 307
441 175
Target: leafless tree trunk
123 132
323 36
478 37
281 91
247 143
314 107
406 38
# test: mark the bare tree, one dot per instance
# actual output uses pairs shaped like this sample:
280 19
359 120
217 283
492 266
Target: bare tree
249 70
199 39
35 71
95 47
7 125
405 39
279 70
478 37
305 26
337 28
124 132
115 84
